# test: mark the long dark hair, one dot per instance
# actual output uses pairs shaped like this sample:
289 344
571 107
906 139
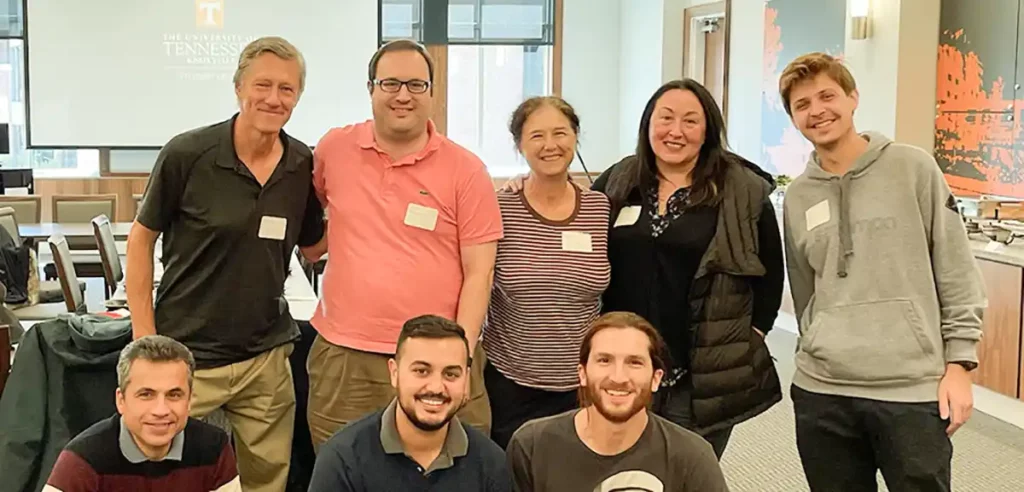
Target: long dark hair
708 173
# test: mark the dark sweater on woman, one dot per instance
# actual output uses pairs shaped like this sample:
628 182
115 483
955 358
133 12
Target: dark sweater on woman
654 262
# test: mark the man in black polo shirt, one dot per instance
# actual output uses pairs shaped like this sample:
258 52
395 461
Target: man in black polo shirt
232 200
417 443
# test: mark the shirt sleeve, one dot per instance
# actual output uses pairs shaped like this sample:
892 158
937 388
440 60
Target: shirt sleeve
499 479
801 274
768 288
331 473
699 470
225 477
958 279
519 464
319 180
477 210
162 199
312 220
71 473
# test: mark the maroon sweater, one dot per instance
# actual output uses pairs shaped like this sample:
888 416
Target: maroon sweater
93 462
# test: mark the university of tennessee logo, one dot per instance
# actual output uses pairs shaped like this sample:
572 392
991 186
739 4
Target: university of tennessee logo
210 14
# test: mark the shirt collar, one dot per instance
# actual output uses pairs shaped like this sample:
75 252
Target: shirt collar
227 157
134 455
367 140
456 443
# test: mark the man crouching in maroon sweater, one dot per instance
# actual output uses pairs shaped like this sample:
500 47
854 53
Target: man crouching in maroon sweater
152 444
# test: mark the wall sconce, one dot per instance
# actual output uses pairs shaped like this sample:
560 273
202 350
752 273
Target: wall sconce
860 19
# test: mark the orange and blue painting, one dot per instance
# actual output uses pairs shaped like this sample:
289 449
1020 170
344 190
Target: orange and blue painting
793 28
979 143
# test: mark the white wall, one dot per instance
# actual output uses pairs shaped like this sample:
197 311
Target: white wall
895 69
746 52
590 81
916 78
874 63
640 72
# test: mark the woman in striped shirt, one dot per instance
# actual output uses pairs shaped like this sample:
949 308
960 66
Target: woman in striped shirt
551 269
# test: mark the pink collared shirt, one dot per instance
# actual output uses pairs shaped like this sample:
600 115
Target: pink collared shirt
395 230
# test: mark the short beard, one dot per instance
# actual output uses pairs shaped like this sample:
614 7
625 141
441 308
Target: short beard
640 403
425 426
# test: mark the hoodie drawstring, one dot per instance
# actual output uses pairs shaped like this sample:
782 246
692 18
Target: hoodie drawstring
845 239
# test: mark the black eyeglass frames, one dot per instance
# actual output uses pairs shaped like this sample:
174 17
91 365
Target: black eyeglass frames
415 86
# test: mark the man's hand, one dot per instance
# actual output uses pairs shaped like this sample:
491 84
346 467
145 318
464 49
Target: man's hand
515 184
956 397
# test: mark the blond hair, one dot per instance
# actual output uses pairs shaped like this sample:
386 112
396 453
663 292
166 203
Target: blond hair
808 67
279 47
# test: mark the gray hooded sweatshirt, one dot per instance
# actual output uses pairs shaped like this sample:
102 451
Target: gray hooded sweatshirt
884 283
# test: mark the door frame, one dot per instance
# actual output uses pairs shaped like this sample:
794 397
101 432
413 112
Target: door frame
694 68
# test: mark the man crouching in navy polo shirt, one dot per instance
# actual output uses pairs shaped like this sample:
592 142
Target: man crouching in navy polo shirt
417 443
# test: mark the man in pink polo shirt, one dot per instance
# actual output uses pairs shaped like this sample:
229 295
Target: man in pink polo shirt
413 229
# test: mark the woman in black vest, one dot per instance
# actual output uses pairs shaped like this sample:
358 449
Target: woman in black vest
695 249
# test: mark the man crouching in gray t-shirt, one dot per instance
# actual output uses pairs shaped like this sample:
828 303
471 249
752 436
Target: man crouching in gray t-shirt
614 443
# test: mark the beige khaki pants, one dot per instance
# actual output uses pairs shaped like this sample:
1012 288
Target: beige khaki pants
258 398
346 384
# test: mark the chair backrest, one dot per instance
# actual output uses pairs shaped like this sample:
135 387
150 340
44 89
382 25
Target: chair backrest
9 221
80 209
138 203
112 269
73 296
28 208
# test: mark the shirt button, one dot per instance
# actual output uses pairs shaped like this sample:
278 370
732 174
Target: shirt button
419 469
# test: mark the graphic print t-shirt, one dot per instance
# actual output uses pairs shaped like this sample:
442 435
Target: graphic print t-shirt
546 455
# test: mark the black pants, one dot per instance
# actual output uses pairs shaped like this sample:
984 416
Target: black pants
675 404
844 441
512 405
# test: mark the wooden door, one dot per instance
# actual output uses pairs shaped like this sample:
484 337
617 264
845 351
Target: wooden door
714 62
999 351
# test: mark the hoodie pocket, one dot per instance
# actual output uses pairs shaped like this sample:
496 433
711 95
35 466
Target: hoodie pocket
873 342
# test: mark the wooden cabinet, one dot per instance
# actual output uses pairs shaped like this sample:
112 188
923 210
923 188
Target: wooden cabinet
999 353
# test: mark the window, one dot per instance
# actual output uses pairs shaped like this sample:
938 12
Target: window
11 15
400 19
485 84
503 22
48 163
492 54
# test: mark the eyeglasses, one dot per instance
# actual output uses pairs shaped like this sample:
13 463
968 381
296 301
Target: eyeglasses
416 86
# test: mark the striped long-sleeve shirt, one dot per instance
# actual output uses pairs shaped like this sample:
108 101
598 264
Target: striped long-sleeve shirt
548 281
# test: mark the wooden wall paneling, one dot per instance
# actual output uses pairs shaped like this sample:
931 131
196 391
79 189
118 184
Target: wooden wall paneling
999 350
123 187
439 53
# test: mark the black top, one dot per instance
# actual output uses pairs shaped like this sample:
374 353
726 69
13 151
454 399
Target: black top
225 260
356 459
654 262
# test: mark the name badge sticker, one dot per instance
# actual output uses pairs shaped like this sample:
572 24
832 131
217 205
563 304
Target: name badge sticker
273 227
421 217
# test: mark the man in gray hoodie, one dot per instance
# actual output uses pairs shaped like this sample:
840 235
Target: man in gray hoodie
887 293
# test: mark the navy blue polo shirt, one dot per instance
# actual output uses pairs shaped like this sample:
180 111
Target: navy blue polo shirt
367 455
